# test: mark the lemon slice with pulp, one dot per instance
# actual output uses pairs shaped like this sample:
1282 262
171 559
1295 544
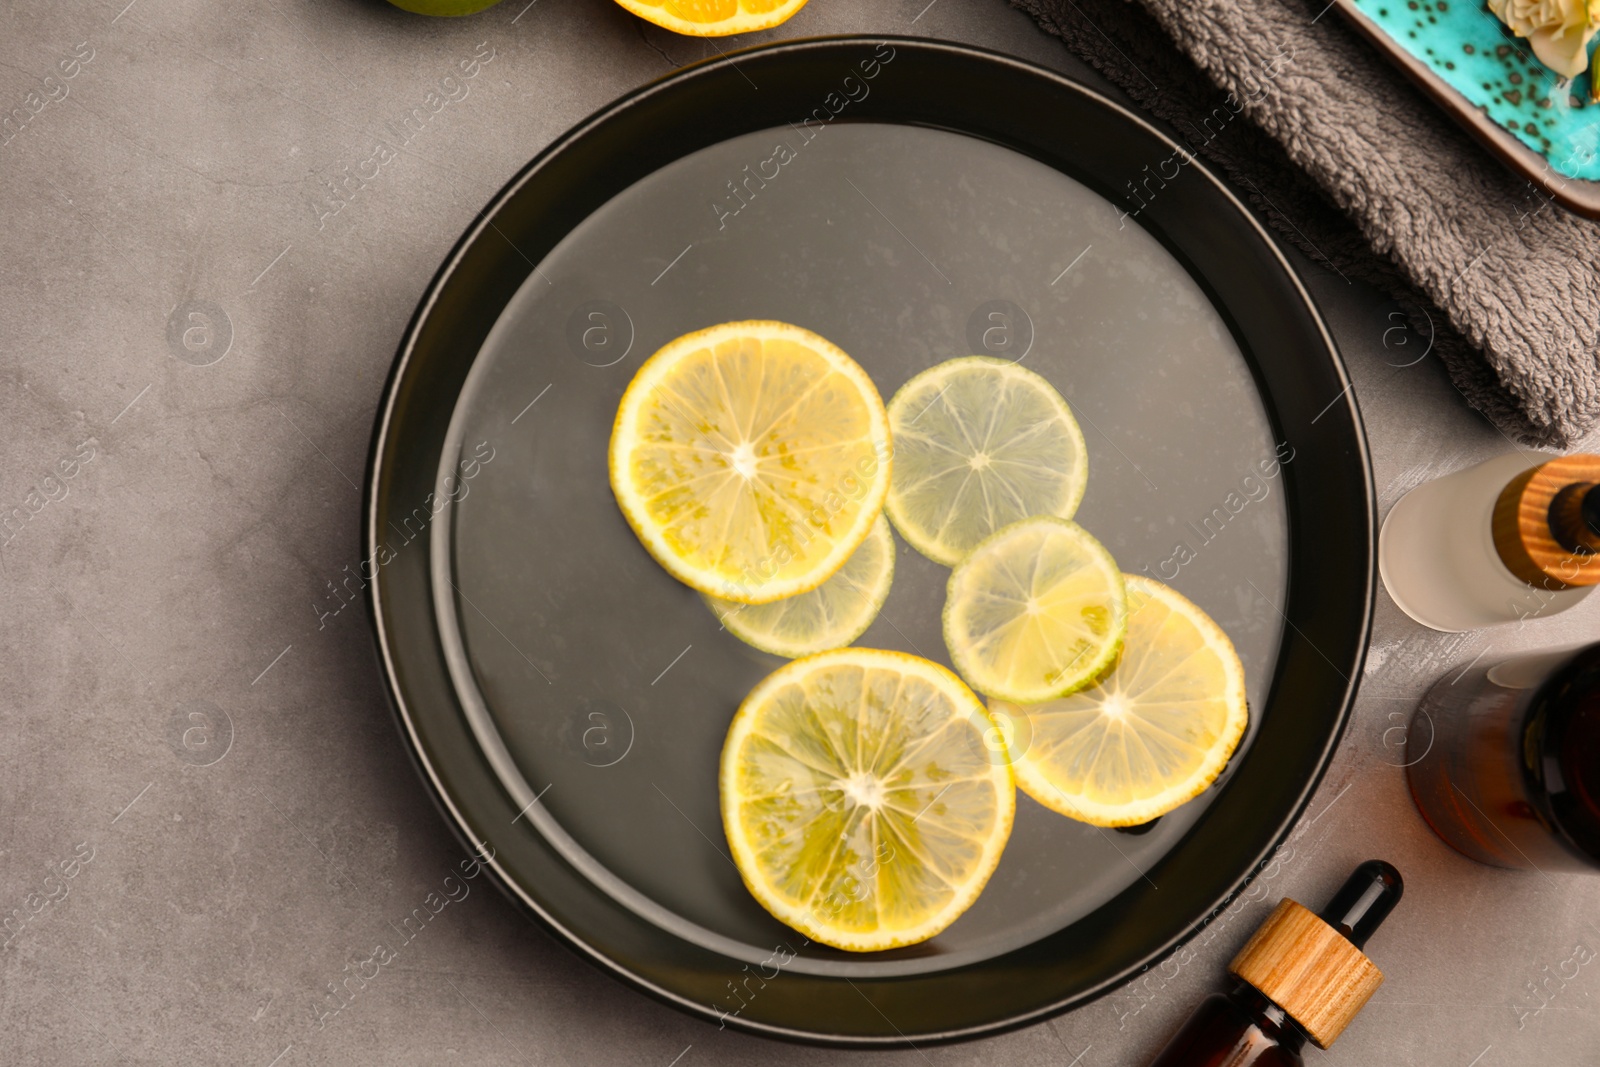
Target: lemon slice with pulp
1035 611
979 444
751 459
1150 735
832 615
714 18
861 804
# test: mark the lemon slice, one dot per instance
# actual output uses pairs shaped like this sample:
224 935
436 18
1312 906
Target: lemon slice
1150 735
832 615
1034 612
979 444
860 802
714 18
751 459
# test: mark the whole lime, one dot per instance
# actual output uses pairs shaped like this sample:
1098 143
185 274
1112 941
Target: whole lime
443 7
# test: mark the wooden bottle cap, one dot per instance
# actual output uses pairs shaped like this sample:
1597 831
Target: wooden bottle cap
1308 969
1539 509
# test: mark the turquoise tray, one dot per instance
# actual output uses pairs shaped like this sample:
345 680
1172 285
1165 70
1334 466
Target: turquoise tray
1490 81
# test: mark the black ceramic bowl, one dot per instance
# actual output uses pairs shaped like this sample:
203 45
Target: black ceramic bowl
912 201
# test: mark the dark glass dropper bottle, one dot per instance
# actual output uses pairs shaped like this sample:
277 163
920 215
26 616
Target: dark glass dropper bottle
1266 1019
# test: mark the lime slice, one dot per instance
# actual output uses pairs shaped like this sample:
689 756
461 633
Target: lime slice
1034 612
859 800
1150 735
832 615
979 444
751 459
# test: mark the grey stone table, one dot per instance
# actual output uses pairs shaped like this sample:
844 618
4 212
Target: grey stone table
196 737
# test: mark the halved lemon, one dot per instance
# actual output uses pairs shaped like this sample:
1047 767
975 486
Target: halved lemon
751 459
860 802
714 18
1035 611
832 615
979 444
1153 733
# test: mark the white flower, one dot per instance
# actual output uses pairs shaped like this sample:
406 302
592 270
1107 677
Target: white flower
1558 30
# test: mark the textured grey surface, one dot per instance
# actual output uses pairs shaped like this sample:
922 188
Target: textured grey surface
181 700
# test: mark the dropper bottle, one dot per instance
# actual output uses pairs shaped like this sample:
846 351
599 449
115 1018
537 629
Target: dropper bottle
1301 976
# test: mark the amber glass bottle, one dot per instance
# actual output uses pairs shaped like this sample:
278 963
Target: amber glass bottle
1504 760
1301 977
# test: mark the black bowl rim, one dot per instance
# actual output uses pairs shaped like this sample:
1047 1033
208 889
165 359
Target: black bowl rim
381 440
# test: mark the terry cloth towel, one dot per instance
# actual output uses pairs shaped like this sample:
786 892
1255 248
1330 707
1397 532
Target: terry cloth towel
1357 167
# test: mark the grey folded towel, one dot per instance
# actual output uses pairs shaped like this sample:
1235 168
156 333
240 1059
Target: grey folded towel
1352 163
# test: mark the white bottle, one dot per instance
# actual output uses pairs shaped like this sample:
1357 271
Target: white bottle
1500 542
